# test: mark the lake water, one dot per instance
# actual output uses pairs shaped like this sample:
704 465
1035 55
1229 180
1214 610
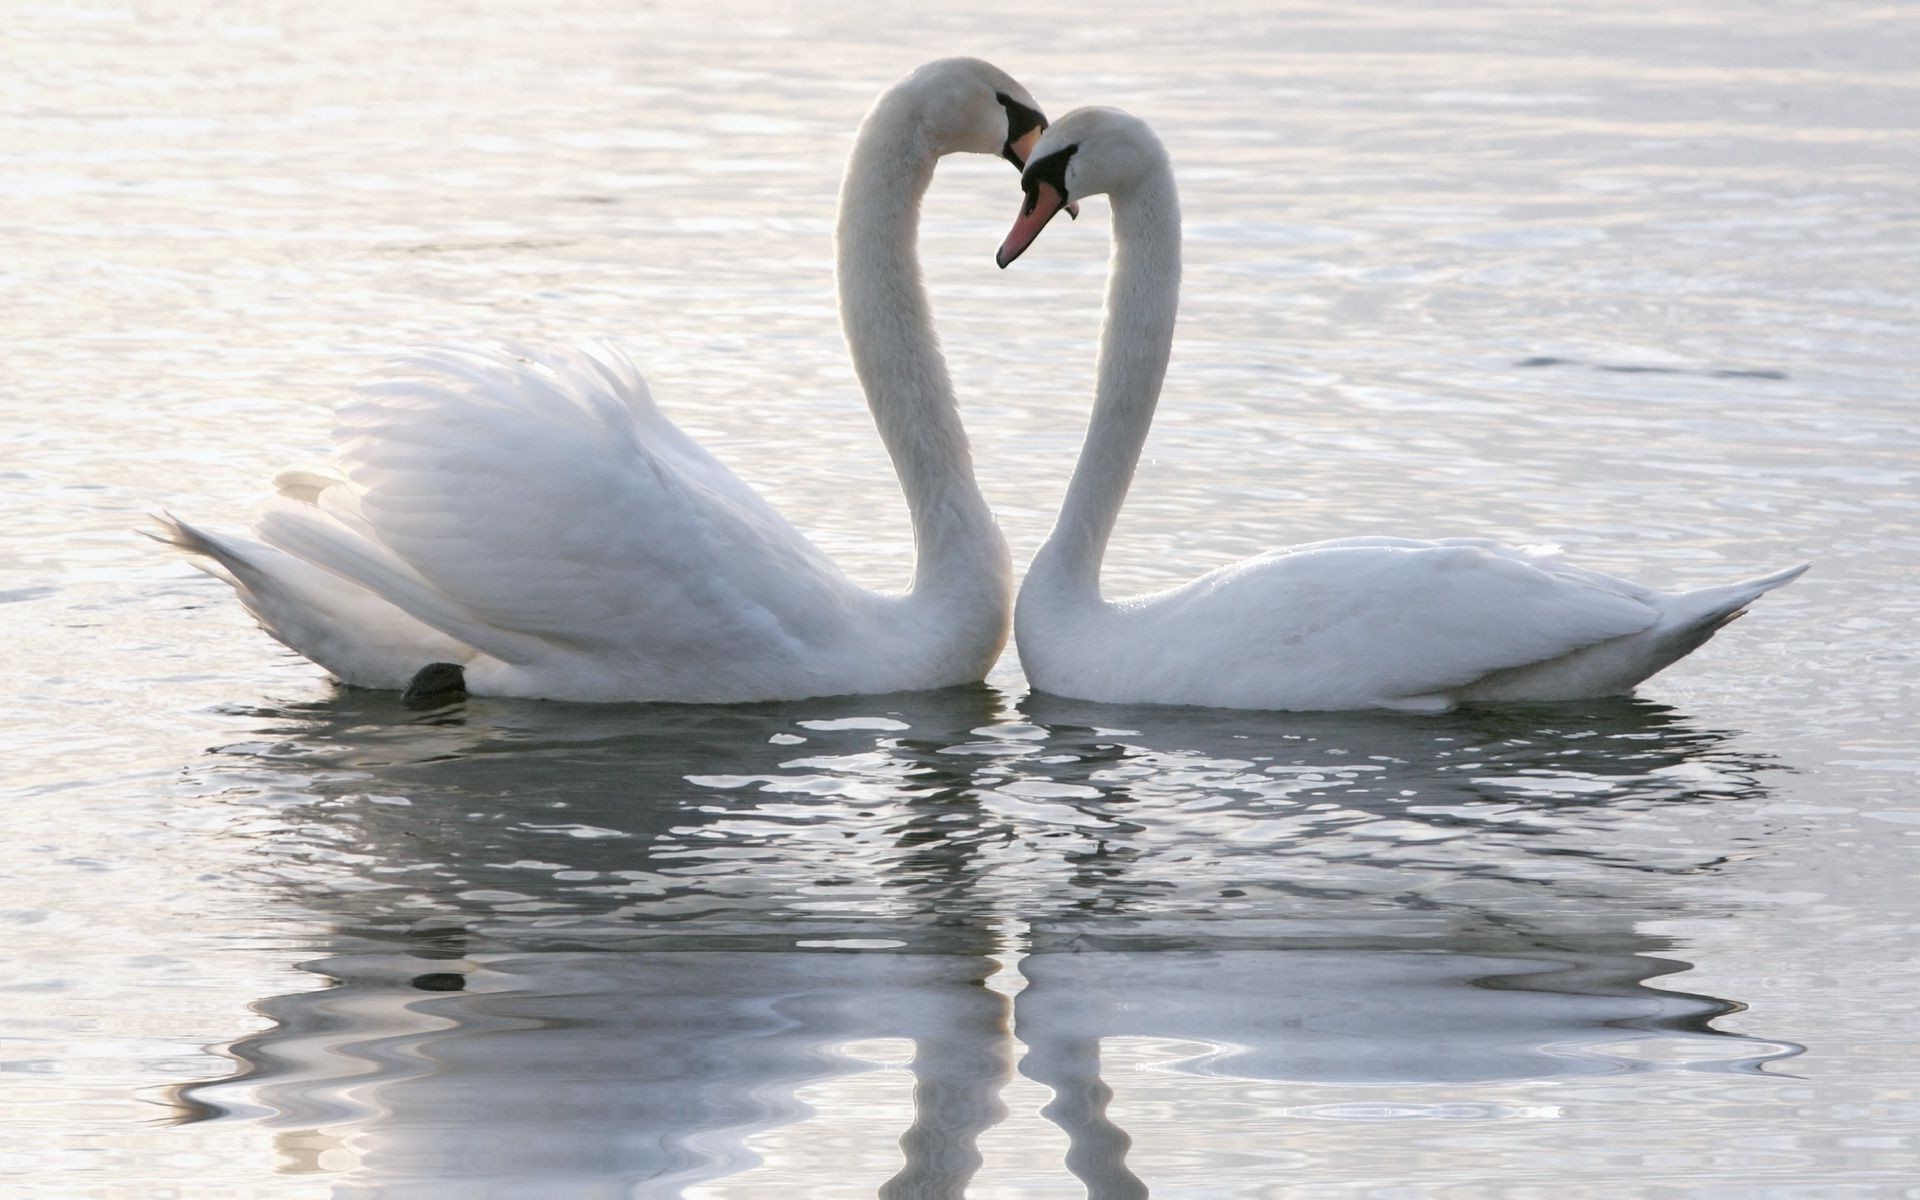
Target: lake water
1638 280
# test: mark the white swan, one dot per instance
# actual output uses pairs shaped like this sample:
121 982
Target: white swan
531 524
1374 622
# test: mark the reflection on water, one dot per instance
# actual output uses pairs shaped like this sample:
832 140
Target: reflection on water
581 823
586 947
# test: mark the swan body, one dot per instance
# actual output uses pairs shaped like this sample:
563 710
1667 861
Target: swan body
1371 622
533 517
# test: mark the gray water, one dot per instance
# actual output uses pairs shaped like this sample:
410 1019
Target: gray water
1637 280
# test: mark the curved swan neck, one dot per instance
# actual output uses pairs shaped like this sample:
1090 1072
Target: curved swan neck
1143 295
889 329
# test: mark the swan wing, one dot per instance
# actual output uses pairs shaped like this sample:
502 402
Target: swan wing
1386 619
525 499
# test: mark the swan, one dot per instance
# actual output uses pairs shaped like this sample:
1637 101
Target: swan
1369 622
527 522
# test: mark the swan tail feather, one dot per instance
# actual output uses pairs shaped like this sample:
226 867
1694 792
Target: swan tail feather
1687 621
1715 606
219 556
1694 617
356 636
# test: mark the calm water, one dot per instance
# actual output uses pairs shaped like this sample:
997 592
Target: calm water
1637 281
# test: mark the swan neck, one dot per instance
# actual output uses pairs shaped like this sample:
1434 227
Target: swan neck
1143 296
888 323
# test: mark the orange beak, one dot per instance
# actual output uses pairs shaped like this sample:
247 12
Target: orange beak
1041 204
1021 149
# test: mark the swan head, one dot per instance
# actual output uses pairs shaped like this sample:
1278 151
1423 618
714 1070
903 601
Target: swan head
1088 152
970 106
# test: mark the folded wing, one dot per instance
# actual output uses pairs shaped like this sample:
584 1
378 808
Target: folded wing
1388 618
532 501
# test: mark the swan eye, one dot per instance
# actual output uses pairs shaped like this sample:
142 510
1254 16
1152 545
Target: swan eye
1021 122
1050 170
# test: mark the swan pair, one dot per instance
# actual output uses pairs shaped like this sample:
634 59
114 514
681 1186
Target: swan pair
529 523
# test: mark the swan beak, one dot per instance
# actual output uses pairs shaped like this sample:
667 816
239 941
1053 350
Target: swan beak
1042 203
1020 149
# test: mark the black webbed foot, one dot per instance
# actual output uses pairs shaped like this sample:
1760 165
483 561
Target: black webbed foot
434 685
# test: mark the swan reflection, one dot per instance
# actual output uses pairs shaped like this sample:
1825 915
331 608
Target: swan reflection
571 949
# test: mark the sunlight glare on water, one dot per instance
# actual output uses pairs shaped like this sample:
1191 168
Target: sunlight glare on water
1639 282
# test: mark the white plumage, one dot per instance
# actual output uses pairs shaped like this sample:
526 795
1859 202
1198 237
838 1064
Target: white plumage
1374 623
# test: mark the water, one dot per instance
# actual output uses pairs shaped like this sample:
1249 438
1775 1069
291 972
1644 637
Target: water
1639 282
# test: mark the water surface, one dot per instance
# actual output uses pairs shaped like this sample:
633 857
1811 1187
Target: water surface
1638 282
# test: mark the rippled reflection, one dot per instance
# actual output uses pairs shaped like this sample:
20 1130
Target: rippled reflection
615 945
